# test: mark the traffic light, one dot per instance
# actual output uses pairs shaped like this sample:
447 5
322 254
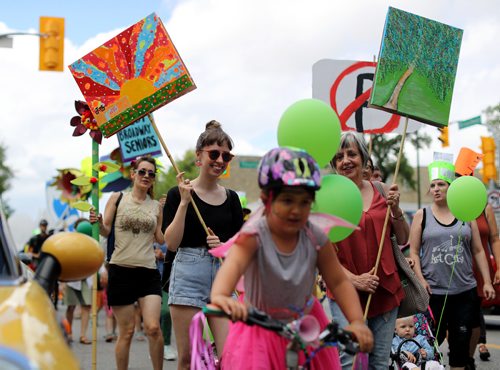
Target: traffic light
51 44
443 137
489 169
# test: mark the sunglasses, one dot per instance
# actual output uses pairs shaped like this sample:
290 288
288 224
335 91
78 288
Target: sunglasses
143 172
215 154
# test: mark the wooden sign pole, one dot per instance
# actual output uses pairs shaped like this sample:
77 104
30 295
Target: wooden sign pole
174 165
387 214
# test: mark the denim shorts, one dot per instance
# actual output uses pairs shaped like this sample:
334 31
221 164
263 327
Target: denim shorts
192 276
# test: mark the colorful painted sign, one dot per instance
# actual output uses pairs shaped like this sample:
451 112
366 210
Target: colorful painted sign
346 86
131 75
138 139
416 68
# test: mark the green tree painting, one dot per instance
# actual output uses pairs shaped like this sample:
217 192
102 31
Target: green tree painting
417 67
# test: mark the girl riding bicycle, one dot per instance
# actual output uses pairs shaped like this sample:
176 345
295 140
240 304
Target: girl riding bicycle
279 255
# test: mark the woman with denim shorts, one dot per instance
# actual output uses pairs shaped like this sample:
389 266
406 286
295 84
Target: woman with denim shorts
194 269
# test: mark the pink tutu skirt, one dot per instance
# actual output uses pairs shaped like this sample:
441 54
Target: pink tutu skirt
255 348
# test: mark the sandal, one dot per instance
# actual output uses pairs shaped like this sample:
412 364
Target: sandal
484 354
84 340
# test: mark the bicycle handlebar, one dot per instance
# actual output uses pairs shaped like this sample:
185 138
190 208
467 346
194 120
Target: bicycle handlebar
332 332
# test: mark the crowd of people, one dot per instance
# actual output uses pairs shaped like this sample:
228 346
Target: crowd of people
279 253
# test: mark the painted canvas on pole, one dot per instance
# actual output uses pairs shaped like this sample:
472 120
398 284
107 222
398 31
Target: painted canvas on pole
417 66
131 75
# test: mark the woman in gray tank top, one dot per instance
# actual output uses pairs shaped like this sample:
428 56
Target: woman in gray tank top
443 248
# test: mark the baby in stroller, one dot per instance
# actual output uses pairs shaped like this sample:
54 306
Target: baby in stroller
412 351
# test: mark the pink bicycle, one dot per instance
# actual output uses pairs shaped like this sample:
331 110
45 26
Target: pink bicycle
299 332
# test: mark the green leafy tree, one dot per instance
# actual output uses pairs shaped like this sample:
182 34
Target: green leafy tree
167 180
493 120
5 177
385 155
416 44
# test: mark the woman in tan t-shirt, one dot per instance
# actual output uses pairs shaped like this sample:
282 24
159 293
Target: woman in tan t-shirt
133 276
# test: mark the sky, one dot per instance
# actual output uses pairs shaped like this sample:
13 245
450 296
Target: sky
250 60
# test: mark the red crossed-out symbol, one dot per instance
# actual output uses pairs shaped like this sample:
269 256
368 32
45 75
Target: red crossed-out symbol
358 102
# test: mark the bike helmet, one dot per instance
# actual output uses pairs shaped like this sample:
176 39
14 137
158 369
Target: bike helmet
288 167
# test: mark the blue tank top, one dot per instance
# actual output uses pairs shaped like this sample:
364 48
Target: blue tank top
441 246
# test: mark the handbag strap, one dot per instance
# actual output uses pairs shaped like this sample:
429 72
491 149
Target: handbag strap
380 188
112 231
116 208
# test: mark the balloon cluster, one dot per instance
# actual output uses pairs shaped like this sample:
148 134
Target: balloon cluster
313 125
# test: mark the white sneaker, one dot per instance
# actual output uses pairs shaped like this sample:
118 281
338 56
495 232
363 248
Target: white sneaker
169 353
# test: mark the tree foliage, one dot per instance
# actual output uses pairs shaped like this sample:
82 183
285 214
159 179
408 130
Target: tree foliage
385 155
168 180
493 120
5 177
431 47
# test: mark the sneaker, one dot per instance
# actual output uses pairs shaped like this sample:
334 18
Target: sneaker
169 353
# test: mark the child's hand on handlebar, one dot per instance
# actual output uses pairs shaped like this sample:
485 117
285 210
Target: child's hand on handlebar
362 334
234 309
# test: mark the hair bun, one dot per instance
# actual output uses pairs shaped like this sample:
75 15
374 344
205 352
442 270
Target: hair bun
213 124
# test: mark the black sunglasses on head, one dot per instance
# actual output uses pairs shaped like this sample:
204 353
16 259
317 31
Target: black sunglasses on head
215 154
143 172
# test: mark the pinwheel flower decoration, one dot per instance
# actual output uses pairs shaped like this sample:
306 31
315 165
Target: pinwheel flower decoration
70 192
85 121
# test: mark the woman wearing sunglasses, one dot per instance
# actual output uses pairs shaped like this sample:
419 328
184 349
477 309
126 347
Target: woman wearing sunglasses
194 268
132 274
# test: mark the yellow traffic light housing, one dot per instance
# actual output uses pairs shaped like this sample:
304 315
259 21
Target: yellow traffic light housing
443 137
51 44
489 169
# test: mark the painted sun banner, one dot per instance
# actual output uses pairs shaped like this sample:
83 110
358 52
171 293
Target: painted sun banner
131 75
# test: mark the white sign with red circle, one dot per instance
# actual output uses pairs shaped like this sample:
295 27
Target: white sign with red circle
346 86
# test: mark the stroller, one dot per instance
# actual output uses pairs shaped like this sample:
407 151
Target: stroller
423 326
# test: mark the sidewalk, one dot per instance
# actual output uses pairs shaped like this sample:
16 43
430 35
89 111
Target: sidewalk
139 352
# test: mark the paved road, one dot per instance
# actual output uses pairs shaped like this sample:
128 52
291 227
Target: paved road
139 353
139 359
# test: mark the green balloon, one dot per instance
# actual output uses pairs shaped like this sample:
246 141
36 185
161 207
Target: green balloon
466 198
312 125
243 200
340 197
84 227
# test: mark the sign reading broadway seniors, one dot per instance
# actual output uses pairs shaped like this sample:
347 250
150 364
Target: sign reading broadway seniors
138 139
346 85
131 75
416 69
